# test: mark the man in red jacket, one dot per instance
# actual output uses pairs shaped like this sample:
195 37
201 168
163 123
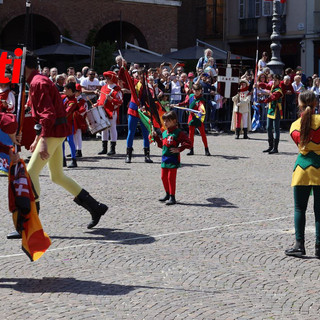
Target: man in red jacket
50 114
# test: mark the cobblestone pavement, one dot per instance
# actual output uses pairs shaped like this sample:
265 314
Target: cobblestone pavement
217 254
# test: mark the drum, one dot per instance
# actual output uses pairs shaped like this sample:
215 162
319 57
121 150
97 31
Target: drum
97 119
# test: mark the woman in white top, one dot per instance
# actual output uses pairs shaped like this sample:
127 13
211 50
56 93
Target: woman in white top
175 94
316 89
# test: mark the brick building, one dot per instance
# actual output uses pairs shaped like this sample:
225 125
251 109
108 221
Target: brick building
151 24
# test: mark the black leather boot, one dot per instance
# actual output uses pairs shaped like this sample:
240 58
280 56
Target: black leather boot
73 163
165 198
172 200
297 251
190 153
270 141
78 154
104 148
275 146
112 149
237 133
147 155
207 152
245 133
317 250
129 155
95 208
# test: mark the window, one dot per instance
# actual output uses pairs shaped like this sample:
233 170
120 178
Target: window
257 8
267 8
241 9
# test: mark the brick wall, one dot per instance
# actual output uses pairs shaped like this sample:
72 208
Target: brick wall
157 23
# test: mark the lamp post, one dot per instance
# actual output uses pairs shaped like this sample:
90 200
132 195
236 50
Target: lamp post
276 65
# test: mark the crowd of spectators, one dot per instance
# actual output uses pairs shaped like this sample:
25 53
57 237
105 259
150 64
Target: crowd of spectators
171 83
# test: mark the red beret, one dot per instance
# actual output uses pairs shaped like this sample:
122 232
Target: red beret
111 75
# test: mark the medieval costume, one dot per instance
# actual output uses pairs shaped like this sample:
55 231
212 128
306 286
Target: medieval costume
171 138
273 116
241 116
111 99
196 102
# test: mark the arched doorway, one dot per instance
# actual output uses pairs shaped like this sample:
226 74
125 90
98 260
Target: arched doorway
121 32
43 32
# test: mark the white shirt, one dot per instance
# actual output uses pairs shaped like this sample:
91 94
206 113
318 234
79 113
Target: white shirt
90 85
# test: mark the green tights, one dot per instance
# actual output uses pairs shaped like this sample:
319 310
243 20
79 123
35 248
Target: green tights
301 197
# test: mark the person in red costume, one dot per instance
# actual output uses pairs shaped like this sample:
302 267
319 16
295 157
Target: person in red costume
71 105
79 122
173 142
9 125
196 102
52 129
111 99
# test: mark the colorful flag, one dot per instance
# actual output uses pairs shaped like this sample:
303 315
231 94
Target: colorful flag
25 217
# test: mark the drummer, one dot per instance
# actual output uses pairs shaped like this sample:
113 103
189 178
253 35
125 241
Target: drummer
111 99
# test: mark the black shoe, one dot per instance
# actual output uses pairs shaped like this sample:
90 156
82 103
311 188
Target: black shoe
207 153
190 153
112 149
245 133
297 251
104 148
275 146
147 155
64 163
96 209
78 154
129 155
171 201
14 235
73 163
237 133
68 156
317 251
165 198
270 141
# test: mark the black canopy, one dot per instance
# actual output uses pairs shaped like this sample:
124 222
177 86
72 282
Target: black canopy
63 49
136 56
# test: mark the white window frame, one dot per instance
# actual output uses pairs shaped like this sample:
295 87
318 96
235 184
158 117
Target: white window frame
267 8
257 9
242 9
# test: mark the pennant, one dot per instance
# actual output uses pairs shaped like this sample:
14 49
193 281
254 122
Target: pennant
25 217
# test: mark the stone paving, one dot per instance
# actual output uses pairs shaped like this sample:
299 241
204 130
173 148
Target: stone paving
217 254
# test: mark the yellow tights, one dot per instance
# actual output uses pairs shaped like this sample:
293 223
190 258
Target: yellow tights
57 175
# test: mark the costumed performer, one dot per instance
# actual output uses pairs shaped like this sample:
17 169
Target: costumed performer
135 86
173 142
196 102
79 121
111 99
274 114
241 116
305 132
50 114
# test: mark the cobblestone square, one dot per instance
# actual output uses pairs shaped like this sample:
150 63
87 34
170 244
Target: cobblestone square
217 254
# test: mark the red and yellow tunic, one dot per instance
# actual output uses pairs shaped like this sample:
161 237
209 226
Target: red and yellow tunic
306 170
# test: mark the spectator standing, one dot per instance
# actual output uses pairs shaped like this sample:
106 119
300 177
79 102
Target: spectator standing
90 87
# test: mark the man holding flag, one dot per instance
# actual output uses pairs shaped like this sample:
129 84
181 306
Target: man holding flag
50 114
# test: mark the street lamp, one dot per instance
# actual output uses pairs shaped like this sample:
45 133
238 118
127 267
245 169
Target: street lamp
276 65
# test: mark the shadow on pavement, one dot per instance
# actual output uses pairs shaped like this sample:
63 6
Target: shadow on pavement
113 235
72 285
229 157
213 202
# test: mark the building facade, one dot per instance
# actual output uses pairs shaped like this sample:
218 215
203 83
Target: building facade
235 24
151 24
